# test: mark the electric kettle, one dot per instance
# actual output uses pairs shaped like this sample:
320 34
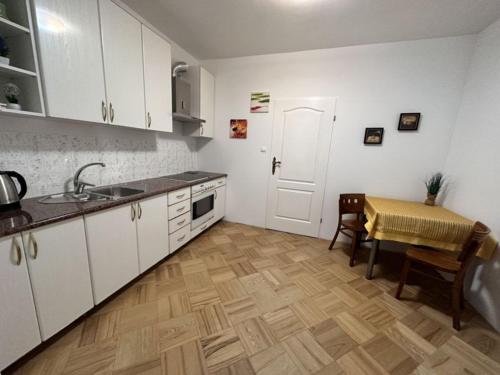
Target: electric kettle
10 197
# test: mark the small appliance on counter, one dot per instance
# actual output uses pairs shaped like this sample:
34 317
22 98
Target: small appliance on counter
10 197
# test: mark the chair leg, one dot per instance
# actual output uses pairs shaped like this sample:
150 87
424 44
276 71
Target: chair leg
354 247
334 238
403 277
456 296
462 298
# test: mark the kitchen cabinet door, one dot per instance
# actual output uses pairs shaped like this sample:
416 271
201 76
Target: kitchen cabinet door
69 42
152 231
60 275
157 81
207 103
220 203
18 323
112 247
123 67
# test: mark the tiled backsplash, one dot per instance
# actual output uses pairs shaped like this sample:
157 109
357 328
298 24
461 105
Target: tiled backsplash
48 152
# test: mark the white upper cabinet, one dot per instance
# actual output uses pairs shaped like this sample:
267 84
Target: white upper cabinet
60 275
112 247
152 231
157 81
18 324
207 103
123 65
69 43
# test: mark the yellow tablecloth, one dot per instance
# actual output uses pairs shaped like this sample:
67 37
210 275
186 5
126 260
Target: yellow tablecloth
418 224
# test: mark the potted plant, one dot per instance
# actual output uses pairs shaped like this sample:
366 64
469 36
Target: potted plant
4 52
433 185
12 93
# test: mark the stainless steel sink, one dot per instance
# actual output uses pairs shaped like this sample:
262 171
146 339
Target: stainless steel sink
115 192
93 195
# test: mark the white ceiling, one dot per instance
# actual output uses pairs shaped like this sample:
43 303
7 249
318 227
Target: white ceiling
230 28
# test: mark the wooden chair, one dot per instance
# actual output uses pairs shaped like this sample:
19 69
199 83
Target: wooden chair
447 263
351 204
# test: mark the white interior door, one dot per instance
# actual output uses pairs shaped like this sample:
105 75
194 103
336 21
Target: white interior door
302 131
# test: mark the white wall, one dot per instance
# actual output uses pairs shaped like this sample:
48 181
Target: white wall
373 83
473 165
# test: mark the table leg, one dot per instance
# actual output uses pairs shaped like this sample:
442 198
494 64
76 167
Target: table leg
371 260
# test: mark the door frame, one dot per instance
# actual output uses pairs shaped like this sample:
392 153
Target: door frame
269 157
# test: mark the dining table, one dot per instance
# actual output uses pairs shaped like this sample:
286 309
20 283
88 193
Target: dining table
418 224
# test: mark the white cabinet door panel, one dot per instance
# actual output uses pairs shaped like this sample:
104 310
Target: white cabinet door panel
157 81
60 275
220 203
207 103
152 231
18 323
123 66
69 42
112 246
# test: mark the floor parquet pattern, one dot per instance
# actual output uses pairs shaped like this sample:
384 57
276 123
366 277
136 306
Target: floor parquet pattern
242 300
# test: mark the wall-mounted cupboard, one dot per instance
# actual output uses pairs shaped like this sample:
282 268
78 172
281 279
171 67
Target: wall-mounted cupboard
100 64
20 65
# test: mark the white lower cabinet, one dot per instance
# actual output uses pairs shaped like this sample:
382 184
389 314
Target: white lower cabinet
112 247
19 331
179 238
152 231
220 203
60 276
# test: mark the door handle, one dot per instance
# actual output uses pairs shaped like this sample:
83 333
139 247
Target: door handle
32 239
139 207
149 120
104 111
111 112
276 163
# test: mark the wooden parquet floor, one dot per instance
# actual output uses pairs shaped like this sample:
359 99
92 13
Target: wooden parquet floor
241 300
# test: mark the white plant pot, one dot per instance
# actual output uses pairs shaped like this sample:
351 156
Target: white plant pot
15 106
4 60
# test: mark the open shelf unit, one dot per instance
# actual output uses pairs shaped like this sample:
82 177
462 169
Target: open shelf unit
23 69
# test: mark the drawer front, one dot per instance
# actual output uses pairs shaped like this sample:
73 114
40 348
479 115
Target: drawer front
179 196
179 222
202 227
220 182
179 209
179 238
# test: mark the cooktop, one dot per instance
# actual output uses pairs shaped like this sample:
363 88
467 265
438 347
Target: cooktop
190 176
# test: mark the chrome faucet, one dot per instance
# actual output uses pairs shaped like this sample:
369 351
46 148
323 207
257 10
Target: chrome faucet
78 185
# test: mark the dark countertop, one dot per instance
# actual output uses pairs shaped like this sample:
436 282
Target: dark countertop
34 214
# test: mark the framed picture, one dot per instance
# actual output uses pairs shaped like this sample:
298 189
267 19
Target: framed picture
259 102
409 121
238 129
374 136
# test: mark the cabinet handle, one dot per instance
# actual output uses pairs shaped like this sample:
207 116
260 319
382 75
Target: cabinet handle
104 111
181 209
181 222
149 120
204 227
215 195
19 256
111 112
140 211
34 254
201 129
181 238
180 196
132 212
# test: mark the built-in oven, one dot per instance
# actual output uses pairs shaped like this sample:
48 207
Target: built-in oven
202 203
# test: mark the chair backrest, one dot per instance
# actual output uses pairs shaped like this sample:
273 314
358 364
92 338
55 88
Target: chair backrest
475 240
351 204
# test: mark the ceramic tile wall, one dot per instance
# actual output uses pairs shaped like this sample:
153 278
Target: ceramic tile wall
47 153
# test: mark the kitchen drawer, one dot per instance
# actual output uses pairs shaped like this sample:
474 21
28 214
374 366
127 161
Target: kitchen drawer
179 209
220 182
179 238
203 227
179 222
179 196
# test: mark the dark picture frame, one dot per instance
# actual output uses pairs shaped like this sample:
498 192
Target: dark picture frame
409 121
374 136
